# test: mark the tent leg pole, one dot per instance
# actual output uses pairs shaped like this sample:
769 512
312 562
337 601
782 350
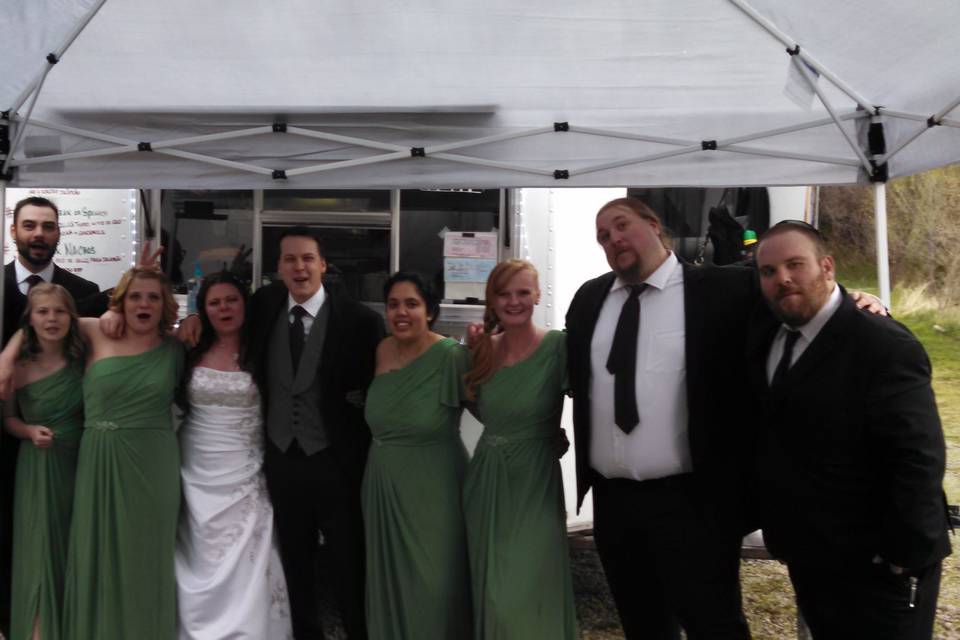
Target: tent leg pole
883 261
3 240
156 215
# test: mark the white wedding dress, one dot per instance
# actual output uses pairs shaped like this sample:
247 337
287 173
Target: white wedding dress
230 583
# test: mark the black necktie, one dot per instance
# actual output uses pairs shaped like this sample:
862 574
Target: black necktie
784 365
622 362
297 338
33 281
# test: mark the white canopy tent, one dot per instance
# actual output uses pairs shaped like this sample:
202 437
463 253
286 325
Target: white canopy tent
323 94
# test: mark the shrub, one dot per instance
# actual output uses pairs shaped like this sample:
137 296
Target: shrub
923 213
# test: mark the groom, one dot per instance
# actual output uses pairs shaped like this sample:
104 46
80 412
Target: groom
314 358
313 352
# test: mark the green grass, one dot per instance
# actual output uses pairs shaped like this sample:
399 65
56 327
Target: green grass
941 338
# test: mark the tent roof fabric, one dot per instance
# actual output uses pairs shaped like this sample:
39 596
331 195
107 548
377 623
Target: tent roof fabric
359 85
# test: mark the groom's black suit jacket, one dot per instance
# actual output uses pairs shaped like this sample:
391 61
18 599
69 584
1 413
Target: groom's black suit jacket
718 302
345 369
851 454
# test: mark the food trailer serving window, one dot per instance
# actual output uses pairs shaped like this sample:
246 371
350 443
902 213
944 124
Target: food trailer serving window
425 216
211 230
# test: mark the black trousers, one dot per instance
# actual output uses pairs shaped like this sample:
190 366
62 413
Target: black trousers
866 600
666 566
311 494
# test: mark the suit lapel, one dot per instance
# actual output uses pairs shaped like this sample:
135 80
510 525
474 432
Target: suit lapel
591 310
694 316
763 329
281 324
334 330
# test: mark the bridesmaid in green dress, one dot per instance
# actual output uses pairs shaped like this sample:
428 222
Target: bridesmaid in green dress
513 491
417 570
120 570
46 410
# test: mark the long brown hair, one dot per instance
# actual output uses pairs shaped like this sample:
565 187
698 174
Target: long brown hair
74 348
147 273
642 210
482 350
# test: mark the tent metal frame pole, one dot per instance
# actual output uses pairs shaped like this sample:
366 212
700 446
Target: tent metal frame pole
335 137
931 122
256 244
480 162
394 230
218 162
22 128
156 219
883 259
92 153
826 104
343 164
811 61
813 124
212 137
83 133
132 147
452 146
903 115
78 28
768 133
640 159
783 155
34 88
3 242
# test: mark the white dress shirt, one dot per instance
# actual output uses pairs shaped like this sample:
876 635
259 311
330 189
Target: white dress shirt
23 273
808 332
658 446
311 306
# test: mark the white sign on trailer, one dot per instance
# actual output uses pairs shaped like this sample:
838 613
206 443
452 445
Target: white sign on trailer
98 231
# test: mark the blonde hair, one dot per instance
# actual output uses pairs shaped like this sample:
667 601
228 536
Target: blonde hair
170 306
482 351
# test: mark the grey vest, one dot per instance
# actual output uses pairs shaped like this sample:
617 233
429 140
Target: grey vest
293 411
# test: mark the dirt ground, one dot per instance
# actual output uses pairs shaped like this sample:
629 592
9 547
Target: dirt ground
767 595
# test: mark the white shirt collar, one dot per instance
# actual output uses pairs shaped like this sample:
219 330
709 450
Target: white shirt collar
23 273
659 278
810 330
312 305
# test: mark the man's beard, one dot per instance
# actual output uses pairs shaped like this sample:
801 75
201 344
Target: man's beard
631 274
817 292
23 248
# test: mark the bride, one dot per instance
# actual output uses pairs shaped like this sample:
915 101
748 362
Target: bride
230 583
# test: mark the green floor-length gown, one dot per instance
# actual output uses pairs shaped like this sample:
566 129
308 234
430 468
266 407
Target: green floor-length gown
418 586
120 571
43 501
513 502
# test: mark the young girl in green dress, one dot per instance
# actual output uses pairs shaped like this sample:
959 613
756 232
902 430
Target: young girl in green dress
46 413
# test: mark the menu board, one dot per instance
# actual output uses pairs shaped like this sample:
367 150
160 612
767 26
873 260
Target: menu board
97 230
468 258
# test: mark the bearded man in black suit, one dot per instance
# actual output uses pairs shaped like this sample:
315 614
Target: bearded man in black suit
851 457
655 349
